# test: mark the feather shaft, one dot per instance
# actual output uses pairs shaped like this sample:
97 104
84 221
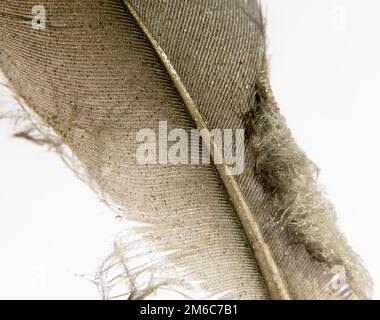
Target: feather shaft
268 267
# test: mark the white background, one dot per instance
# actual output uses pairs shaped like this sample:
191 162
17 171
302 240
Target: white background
325 66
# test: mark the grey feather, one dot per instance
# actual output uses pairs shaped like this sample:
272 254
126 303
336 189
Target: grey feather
103 70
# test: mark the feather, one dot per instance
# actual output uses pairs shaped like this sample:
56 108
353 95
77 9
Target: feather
101 71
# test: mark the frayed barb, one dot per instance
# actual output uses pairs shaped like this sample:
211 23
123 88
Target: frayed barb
291 180
137 271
